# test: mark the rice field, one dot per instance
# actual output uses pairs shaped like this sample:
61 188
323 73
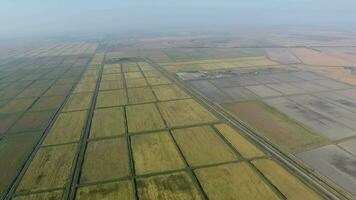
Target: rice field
98 128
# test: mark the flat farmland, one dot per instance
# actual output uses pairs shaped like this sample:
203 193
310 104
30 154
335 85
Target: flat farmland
196 144
111 98
122 190
275 126
169 92
241 144
241 183
49 169
108 122
67 128
155 152
41 196
171 186
111 85
105 159
185 112
291 187
79 101
140 95
144 117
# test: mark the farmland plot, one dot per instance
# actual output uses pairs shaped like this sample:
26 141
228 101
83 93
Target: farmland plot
202 146
144 117
111 85
107 122
185 112
48 103
155 152
105 159
111 98
234 181
136 82
169 92
210 91
67 128
77 102
140 95
122 190
263 91
32 121
50 168
41 196
17 105
170 187
159 80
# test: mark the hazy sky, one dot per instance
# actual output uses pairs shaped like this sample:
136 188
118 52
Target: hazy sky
35 17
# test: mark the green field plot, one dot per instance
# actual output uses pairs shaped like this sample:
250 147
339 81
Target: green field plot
111 98
36 89
59 89
185 112
159 80
17 105
145 66
41 196
111 85
7 121
85 87
111 77
67 128
136 82
169 92
78 102
32 121
143 117
130 67
13 152
105 159
50 168
233 181
275 126
122 190
108 122
13 89
140 95
130 75
48 103
65 81
169 187
3 102
153 73
241 144
155 152
202 146
289 185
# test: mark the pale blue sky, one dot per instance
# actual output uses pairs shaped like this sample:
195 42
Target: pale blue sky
45 17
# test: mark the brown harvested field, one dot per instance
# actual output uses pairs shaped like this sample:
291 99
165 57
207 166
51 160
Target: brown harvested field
67 128
111 98
185 112
155 152
140 95
275 126
108 122
170 187
17 105
122 190
289 185
47 103
49 169
169 92
313 57
7 121
41 196
234 181
78 102
13 152
159 80
111 85
143 117
105 159
136 82
241 144
32 121
202 146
